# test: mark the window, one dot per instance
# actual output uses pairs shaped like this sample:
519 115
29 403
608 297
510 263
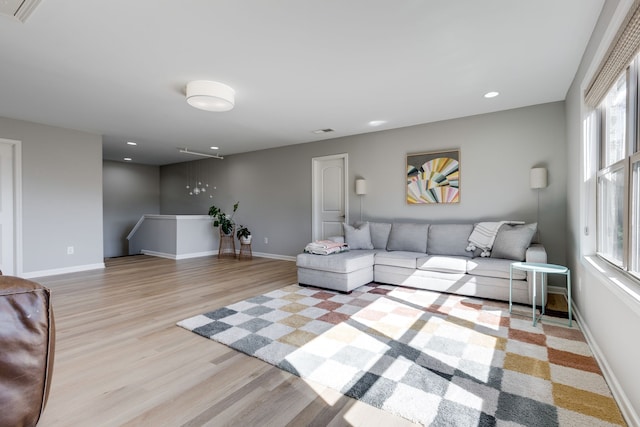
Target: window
615 130
634 250
611 214
618 178
613 93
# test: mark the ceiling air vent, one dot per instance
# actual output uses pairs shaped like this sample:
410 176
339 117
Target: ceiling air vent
19 9
321 131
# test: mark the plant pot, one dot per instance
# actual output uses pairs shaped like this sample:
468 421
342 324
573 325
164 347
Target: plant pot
245 240
229 234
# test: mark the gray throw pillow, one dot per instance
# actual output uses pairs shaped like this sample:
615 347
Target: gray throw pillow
380 234
357 238
512 241
449 239
408 237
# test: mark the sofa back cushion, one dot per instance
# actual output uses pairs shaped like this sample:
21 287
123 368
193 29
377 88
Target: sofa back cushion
512 241
357 237
380 234
449 239
408 237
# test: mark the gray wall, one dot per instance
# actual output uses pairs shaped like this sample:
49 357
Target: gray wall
608 314
497 152
129 191
61 195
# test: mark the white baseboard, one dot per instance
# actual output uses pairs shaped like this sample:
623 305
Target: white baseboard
557 290
158 254
210 253
196 255
274 256
65 270
180 256
628 412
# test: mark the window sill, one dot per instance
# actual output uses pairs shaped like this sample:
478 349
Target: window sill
624 286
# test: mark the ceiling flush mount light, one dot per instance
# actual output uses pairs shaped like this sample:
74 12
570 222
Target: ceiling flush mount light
491 94
377 122
215 148
127 159
210 96
131 143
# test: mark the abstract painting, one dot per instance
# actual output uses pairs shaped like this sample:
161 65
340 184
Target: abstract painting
433 178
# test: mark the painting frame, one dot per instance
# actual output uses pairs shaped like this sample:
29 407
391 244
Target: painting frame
433 177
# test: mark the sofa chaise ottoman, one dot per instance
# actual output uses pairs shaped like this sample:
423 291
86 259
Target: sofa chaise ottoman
341 272
428 256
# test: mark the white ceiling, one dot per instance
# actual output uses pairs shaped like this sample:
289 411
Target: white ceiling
119 68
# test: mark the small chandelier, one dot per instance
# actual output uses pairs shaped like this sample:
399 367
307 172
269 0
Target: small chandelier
198 187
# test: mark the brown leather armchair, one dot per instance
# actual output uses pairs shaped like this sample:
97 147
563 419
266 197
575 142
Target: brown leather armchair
27 343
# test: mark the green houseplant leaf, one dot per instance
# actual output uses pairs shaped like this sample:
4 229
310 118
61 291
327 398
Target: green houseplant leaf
243 231
221 219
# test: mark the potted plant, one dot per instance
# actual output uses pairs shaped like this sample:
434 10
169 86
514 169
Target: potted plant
244 235
222 220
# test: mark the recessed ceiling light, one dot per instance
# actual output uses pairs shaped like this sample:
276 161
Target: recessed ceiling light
321 131
491 94
131 143
128 159
215 148
377 122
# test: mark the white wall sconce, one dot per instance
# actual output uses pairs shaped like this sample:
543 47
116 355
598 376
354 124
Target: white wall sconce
538 178
361 190
537 181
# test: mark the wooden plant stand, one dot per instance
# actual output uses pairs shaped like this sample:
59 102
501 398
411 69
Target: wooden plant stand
245 251
227 246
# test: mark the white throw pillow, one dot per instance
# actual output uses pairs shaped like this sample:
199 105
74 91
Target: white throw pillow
357 238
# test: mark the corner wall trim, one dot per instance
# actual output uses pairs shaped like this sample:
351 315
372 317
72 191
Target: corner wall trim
64 270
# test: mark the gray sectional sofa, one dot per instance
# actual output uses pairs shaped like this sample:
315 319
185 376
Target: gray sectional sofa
427 256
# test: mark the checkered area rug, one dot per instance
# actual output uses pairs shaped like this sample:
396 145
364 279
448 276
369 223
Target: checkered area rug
435 359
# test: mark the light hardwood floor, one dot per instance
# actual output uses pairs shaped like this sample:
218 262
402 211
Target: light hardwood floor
121 360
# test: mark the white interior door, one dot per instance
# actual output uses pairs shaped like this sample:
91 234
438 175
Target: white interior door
7 209
330 196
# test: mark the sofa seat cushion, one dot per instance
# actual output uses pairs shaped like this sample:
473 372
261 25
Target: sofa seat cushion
403 259
443 264
493 267
345 262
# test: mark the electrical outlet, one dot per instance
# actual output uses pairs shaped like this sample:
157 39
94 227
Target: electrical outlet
266 240
69 250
